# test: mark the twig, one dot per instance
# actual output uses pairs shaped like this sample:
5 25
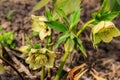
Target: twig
15 52
23 68
12 67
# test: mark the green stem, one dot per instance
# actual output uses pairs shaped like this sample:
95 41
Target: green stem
84 26
49 75
43 72
63 60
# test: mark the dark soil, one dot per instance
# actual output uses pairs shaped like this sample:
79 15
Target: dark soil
106 58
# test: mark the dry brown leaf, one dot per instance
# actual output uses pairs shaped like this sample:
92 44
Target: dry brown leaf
71 73
78 75
95 75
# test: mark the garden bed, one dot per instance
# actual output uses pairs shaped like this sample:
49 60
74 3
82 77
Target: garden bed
15 15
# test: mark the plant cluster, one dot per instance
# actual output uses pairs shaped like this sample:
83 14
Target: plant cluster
64 18
6 39
102 29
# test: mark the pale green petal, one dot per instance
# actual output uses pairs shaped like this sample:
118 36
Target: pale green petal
39 18
105 31
69 45
51 60
96 39
38 26
106 37
43 33
23 49
98 27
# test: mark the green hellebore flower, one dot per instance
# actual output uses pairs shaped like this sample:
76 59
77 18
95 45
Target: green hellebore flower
104 31
41 57
39 26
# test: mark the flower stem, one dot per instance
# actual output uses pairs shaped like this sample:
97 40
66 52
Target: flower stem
84 26
63 60
43 72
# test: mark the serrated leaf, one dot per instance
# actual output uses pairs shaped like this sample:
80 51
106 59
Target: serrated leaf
60 12
107 12
74 18
61 38
48 15
105 17
81 47
115 5
40 4
108 16
105 6
62 15
57 26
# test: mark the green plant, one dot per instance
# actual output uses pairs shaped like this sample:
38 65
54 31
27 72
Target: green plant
9 15
6 40
102 29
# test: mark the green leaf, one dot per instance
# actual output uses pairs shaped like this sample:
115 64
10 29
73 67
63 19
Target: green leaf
69 45
109 16
105 6
48 15
1 38
11 37
74 18
1 51
62 15
6 39
0 27
62 38
60 12
109 10
9 15
115 5
68 6
57 26
34 33
40 4
81 47
1 68
106 12
37 46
